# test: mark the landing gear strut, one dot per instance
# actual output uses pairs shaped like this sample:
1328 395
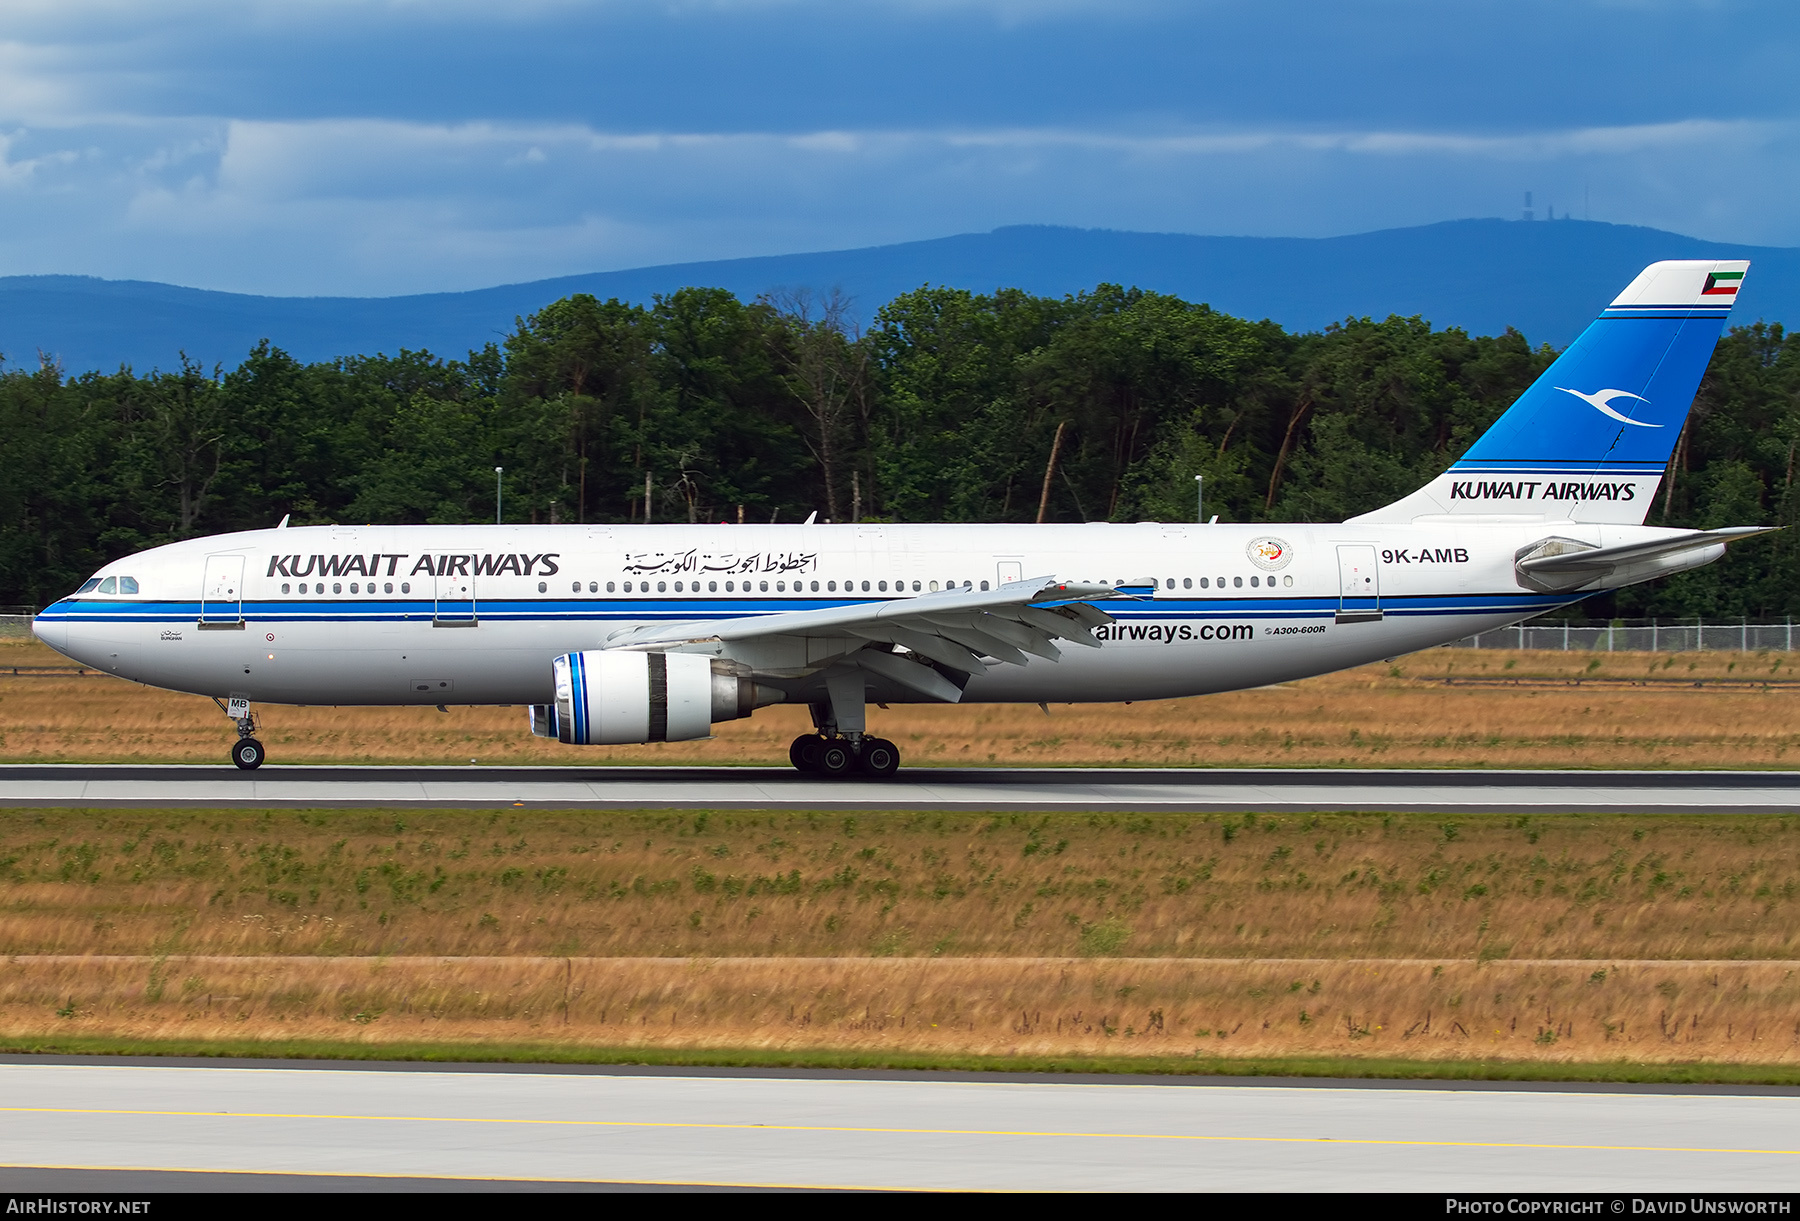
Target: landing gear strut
840 745
246 752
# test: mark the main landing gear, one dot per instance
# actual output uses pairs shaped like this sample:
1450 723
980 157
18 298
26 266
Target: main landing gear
832 757
840 746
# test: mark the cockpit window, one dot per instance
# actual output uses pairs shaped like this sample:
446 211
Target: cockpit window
110 585
128 585
89 586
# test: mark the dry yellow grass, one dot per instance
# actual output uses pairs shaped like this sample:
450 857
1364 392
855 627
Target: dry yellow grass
1383 715
1553 939
1655 1012
629 884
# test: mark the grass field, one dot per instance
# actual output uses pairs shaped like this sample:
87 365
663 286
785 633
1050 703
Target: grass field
1542 940
1399 714
1610 948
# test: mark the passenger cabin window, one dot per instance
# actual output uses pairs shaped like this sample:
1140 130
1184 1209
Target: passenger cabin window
1238 581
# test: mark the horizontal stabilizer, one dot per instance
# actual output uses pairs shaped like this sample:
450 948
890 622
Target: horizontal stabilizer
1563 564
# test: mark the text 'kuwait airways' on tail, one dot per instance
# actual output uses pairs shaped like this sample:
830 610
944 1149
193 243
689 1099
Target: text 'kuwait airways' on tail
1590 440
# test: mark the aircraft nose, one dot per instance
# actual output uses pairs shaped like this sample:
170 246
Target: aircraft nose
52 630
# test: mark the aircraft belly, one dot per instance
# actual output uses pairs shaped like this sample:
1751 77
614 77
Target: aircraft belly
348 663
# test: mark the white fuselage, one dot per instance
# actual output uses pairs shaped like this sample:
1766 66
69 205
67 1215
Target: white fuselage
475 614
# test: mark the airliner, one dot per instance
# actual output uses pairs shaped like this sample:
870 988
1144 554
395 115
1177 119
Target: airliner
621 634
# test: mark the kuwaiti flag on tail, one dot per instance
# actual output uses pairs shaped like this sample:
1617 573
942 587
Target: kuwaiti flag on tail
1589 441
1722 283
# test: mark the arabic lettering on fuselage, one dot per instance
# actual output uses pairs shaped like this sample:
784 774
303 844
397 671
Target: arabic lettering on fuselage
673 563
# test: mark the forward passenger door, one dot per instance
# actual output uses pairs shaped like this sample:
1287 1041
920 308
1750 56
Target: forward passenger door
222 593
455 605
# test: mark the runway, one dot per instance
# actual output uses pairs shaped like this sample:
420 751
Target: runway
1135 790
321 1127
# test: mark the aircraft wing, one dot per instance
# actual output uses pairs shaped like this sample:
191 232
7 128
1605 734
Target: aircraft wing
959 629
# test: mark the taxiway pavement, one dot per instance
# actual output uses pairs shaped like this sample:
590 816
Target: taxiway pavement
1172 790
293 1127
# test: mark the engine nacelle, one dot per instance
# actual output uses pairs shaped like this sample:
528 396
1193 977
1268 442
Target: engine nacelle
619 698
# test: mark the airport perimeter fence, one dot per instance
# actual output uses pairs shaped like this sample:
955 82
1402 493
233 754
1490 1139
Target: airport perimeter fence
1640 636
15 620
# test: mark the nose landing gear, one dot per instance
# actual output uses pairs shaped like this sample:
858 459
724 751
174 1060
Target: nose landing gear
247 753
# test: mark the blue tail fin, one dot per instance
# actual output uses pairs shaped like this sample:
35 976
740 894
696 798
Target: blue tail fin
1590 439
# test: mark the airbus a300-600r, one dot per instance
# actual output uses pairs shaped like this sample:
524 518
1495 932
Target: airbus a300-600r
655 633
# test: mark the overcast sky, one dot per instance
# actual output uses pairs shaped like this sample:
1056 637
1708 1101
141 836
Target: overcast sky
371 147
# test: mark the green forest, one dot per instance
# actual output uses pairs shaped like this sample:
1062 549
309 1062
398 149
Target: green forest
948 406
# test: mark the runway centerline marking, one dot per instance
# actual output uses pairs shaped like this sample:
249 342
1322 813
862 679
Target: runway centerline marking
875 1131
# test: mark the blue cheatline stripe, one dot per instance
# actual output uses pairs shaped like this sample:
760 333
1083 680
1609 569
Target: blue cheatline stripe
597 611
1655 314
1557 466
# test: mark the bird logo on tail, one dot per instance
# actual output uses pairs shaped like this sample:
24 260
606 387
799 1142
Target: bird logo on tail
1601 401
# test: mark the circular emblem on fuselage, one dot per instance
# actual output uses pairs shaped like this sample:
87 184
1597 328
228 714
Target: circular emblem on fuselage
1269 553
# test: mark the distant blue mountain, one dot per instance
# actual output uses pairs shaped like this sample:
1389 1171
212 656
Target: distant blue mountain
1545 278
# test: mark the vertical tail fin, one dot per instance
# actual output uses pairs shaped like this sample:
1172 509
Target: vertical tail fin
1590 439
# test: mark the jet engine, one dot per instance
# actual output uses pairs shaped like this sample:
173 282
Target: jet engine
619 698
